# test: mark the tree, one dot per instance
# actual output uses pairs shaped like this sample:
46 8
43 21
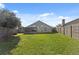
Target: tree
8 22
54 30
8 19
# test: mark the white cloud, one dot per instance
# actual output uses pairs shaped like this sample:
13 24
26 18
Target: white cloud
28 19
46 14
2 5
67 19
63 17
54 20
15 11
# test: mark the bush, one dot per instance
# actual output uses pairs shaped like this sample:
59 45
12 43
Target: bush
54 30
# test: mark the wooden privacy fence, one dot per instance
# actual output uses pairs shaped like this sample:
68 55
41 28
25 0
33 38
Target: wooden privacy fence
70 30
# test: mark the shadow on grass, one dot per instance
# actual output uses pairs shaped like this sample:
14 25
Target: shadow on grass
6 47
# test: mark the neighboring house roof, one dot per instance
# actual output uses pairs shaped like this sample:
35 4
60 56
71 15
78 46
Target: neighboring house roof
72 22
39 22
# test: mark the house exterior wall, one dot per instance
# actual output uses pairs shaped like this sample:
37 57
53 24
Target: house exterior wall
41 27
60 29
30 30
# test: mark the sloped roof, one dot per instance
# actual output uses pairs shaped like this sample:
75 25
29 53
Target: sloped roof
40 22
71 22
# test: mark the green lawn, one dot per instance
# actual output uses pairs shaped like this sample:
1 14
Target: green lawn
40 44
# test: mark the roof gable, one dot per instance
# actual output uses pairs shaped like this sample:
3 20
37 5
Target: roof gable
39 23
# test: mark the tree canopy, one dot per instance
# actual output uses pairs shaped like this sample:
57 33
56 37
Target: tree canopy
8 19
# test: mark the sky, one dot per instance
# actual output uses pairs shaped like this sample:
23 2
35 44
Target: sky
49 13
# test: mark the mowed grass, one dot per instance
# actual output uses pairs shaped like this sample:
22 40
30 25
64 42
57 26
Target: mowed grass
46 44
41 44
